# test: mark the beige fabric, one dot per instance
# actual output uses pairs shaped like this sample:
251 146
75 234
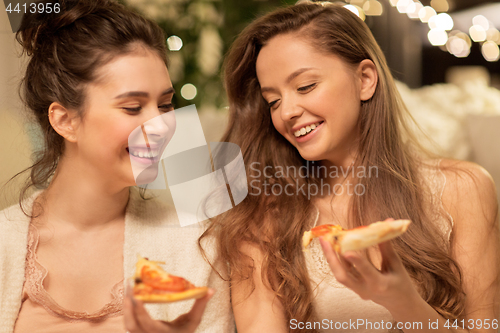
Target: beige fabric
337 305
151 230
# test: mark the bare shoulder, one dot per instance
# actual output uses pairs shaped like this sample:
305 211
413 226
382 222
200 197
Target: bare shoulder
465 175
469 189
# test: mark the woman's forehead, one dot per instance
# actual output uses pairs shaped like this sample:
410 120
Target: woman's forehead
133 69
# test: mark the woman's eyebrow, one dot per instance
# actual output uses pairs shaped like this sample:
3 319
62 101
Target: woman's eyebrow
143 93
289 78
297 73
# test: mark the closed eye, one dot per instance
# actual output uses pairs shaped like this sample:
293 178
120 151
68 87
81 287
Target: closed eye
167 107
133 109
306 88
164 107
273 103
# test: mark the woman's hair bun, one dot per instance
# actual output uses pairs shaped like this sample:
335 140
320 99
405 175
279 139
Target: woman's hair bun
38 27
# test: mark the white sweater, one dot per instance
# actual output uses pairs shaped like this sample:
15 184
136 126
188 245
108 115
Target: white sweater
151 230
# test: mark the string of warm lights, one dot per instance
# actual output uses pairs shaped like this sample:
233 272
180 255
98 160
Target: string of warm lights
440 33
440 24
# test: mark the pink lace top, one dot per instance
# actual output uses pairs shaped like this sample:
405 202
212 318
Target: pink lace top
39 310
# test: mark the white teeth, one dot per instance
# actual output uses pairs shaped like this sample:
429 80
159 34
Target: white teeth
150 154
306 129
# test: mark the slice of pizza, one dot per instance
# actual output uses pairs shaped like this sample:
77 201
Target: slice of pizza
153 285
359 238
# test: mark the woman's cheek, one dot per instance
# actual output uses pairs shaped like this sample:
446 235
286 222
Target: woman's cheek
285 134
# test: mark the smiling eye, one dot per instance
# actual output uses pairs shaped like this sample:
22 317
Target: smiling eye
307 87
273 103
164 107
167 107
137 109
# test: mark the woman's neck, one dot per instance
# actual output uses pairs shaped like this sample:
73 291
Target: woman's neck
340 170
82 202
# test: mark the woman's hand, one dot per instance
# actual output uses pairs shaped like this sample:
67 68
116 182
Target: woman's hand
390 286
137 320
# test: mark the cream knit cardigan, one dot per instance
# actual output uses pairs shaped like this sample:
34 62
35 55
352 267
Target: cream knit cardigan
151 230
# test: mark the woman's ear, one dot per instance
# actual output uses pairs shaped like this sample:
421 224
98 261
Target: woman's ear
63 121
368 78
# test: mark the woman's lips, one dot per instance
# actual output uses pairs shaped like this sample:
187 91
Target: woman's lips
145 160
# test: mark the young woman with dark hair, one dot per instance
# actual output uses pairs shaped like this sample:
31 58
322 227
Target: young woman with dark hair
97 71
314 108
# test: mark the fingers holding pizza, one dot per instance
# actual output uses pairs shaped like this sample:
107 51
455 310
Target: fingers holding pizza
151 284
390 286
137 319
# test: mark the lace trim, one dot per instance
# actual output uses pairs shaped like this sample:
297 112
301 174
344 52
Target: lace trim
319 265
36 273
435 207
450 218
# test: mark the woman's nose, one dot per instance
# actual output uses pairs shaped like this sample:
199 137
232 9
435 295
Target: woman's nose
290 109
160 126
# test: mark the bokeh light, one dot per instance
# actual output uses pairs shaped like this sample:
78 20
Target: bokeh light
490 51
356 10
373 8
482 21
426 13
477 33
402 5
465 37
437 37
493 35
174 43
189 91
440 5
458 46
444 21
413 9
433 22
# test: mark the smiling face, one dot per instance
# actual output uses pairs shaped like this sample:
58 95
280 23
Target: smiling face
314 97
130 110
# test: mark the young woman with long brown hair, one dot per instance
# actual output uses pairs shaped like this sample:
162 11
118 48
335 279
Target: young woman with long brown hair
325 140
97 74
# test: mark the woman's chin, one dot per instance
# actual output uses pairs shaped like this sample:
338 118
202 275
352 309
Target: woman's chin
311 156
146 175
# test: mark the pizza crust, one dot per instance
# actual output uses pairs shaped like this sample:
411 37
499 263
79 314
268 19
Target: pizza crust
374 234
357 238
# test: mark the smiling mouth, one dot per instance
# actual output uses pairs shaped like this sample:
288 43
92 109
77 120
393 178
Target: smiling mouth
306 130
144 153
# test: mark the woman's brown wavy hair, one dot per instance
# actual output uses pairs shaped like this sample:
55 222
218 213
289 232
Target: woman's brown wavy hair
275 224
66 51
